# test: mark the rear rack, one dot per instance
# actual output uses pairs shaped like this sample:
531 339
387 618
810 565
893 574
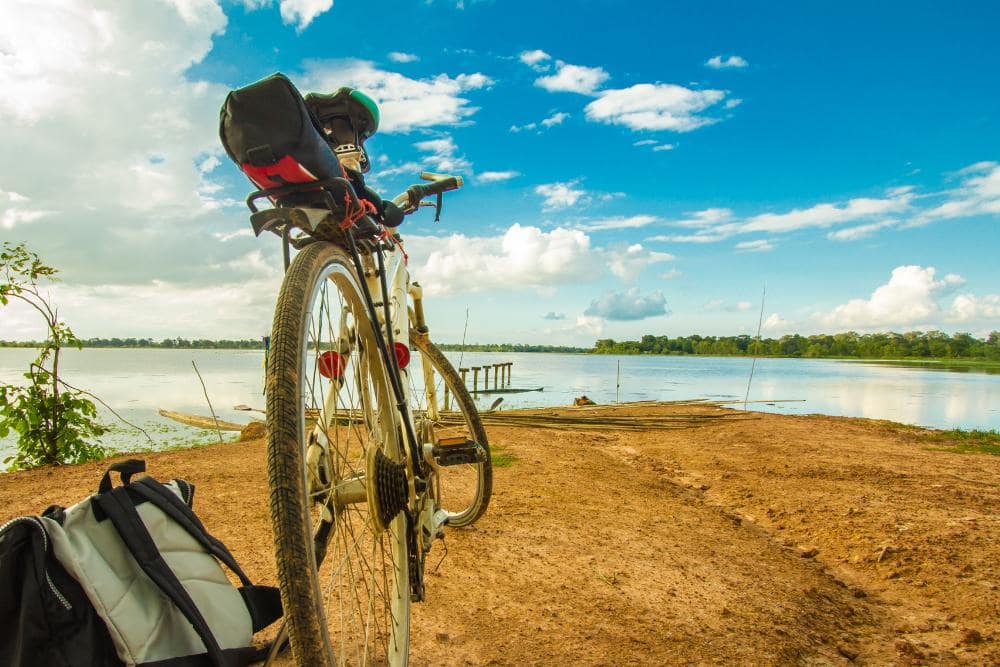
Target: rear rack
316 224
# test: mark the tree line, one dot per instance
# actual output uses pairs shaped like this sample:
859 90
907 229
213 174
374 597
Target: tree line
509 347
168 343
913 344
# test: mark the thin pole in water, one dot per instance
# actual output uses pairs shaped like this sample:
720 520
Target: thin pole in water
756 349
618 383
208 400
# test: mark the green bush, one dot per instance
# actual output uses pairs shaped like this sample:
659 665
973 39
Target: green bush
54 422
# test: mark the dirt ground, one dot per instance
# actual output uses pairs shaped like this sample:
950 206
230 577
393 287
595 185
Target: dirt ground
769 540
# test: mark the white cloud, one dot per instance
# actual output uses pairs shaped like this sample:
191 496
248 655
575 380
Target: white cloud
716 224
732 103
555 119
979 194
732 62
560 195
646 142
536 59
628 305
708 217
302 12
442 155
760 245
405 103
239 307
968 307
859 232
826 215
524 256
237 234
584 326
497 176
775 323
663 147
111 135
552 315
618 222
718 305
670 275
209 164
573 79
13 211
909 298
629 263
659 106
400 57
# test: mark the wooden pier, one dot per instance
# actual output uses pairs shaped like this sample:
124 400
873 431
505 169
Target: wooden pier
501 383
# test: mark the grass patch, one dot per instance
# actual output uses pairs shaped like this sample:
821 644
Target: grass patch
500 457
973 441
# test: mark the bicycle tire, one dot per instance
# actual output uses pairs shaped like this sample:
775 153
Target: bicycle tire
463 490
328 622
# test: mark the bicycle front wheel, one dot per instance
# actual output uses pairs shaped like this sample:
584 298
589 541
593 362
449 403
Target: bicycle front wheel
342 566
444 406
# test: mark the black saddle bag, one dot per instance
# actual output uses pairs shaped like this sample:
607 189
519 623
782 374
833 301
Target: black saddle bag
271 135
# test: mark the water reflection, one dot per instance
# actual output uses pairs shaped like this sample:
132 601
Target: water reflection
137 383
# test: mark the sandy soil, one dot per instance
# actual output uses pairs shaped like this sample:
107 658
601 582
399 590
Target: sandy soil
773 540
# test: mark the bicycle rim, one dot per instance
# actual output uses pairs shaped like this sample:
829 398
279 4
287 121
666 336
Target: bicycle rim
462 490
344 583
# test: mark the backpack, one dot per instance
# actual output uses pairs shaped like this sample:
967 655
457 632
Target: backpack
128 576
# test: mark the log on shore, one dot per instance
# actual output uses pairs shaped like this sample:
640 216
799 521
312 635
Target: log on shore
201 422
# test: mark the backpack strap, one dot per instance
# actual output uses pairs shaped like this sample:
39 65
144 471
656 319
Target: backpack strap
121 510
125 468
168 502
263 602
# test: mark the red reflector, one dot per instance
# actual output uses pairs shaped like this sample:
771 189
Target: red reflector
331 364
402 355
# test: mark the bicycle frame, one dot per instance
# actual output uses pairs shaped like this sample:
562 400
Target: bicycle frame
386 283
413 493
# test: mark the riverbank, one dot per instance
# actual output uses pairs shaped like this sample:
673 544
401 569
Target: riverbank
767 539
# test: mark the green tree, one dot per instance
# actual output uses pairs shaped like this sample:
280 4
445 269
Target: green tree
55 424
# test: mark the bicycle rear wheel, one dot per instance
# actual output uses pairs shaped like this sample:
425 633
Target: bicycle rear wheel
344 579
448 411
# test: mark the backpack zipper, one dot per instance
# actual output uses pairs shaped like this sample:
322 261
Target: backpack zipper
35 521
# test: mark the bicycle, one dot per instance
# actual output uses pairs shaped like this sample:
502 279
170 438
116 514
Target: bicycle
368 458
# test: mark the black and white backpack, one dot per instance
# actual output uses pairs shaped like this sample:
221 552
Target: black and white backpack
128 576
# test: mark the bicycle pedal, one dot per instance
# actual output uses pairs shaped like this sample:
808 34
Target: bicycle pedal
457 451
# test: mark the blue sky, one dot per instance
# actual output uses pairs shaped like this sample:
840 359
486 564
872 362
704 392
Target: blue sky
632 167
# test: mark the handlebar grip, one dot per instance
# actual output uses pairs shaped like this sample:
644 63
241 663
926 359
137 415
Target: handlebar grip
418 191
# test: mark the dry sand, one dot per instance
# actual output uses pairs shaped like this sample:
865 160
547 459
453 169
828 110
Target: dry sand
774 540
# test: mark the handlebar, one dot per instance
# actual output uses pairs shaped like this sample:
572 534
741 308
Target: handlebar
439 184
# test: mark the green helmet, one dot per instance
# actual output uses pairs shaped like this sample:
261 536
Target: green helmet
347 103
348 117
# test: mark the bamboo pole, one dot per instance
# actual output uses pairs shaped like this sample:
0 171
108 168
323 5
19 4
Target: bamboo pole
475 379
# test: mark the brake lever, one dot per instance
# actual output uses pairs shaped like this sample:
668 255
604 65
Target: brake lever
437 207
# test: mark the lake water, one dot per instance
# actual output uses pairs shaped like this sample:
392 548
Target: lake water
137 383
